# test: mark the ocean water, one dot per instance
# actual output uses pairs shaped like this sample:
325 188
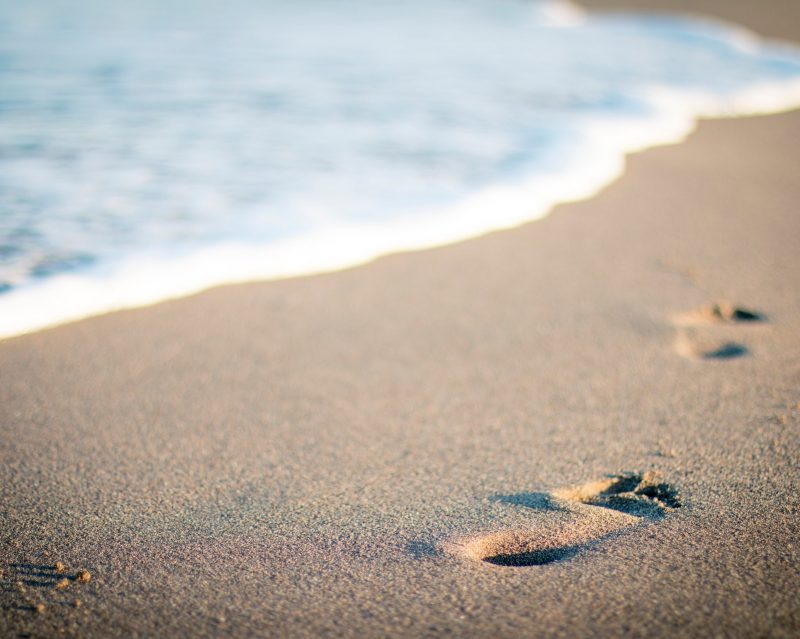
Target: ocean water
152 149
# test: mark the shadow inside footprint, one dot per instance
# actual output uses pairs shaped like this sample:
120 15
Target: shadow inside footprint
691 348
36 575
534 557
727 312
726 351
719 313
640 495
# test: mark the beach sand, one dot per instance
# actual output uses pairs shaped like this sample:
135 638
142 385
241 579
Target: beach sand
548 431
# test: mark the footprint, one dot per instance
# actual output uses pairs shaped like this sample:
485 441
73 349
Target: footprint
704 333
38 587
597 510
640 495
691 346
721 312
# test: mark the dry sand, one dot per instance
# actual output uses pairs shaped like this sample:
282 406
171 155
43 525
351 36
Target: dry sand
336 455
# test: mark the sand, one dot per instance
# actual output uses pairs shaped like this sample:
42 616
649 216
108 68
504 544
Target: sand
548 431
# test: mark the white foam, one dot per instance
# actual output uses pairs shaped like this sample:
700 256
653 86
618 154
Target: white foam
562 13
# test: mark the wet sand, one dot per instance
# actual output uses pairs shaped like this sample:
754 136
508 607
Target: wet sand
587 426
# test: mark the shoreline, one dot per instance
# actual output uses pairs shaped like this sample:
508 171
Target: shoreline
138 281
358 453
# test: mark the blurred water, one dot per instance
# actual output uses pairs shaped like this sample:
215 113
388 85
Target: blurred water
166 140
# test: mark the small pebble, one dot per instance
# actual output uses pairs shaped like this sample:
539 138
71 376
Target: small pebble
59 567
64 583
77 603
83 576
39 608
